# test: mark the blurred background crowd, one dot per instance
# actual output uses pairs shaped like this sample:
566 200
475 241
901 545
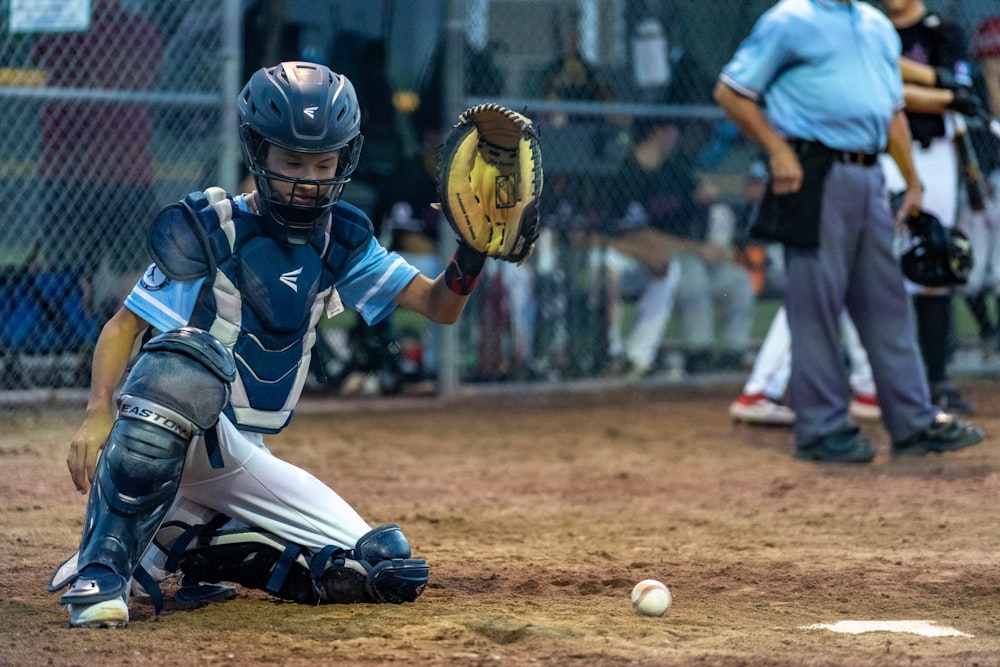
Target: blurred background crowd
115 108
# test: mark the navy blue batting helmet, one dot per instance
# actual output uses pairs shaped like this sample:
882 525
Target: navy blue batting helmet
303 107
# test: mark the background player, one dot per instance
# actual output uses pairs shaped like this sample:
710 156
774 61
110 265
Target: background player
238 285
929 40
762 400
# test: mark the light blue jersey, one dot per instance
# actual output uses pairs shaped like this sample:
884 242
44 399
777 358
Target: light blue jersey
265 300
805 57
373 280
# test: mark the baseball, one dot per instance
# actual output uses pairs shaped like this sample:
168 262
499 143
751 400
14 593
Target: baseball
651 597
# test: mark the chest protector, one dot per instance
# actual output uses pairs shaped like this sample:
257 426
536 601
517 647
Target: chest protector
262 299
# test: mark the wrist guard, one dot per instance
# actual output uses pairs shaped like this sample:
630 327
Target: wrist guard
944 77
463 270
965 102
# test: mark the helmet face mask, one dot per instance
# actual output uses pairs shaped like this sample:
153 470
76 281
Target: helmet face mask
291 115
296 204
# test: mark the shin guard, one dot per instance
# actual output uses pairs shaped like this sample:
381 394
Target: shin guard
175 391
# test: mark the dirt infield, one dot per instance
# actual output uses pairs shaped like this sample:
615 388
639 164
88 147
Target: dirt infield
538 515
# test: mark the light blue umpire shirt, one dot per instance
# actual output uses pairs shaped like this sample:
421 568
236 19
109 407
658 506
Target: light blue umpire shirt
805 58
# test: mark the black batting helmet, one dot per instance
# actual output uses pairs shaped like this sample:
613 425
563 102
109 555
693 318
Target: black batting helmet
303 107
935 256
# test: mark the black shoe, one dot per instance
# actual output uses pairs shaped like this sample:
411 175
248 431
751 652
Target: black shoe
945 434
951 401
197 595
844 446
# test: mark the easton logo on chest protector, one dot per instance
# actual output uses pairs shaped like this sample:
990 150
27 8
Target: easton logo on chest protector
290 277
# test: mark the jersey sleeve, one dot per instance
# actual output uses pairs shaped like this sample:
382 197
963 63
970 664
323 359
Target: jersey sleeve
373 280
759 57
165 304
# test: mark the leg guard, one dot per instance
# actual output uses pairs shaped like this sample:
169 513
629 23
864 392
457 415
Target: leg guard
175 391
394 577
378 569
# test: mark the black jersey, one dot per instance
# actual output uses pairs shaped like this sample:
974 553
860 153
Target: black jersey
939 43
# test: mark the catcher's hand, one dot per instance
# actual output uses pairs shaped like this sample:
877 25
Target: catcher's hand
490 180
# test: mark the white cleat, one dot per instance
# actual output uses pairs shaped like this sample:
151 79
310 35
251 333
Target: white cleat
759 409
106 614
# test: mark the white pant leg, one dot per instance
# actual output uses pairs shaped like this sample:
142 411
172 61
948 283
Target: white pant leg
613 264
694 302
732 290
992 257
938 168
983 230
773 364
653 313
860 374
520 291
976 226
263 491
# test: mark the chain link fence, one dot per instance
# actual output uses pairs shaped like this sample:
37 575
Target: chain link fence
113 108
110 110
598 76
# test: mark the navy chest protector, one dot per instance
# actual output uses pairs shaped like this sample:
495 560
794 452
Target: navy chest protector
261 298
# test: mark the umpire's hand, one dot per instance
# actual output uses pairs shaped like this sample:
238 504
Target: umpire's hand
786 170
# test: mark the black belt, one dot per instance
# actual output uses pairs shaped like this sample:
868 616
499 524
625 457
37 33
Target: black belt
857 157
848 157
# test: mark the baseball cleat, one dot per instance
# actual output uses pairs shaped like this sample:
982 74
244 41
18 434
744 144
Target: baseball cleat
199 594
844 446
865 407
106 614
759 409
950 400
945 434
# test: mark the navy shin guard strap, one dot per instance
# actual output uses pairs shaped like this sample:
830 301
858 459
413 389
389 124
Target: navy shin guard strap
203 532
151 587
282 567
318 563
213 449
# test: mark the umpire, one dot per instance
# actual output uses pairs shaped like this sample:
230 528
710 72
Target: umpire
793 88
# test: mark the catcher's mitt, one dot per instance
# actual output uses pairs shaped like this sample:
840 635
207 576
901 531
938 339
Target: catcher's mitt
490 180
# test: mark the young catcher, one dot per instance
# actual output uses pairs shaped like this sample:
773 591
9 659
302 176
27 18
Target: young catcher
179 476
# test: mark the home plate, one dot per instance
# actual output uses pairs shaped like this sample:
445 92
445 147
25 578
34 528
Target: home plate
925 628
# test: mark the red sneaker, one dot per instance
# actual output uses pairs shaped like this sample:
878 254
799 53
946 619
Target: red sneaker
865 407
759 409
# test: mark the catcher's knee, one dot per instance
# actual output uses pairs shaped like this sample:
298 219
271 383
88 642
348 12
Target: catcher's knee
390 574
382 543
186 371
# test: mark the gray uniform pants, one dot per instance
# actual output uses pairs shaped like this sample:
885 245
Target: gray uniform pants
853 268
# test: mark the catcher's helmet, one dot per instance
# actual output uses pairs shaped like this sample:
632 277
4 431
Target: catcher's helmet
934 255
301 107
